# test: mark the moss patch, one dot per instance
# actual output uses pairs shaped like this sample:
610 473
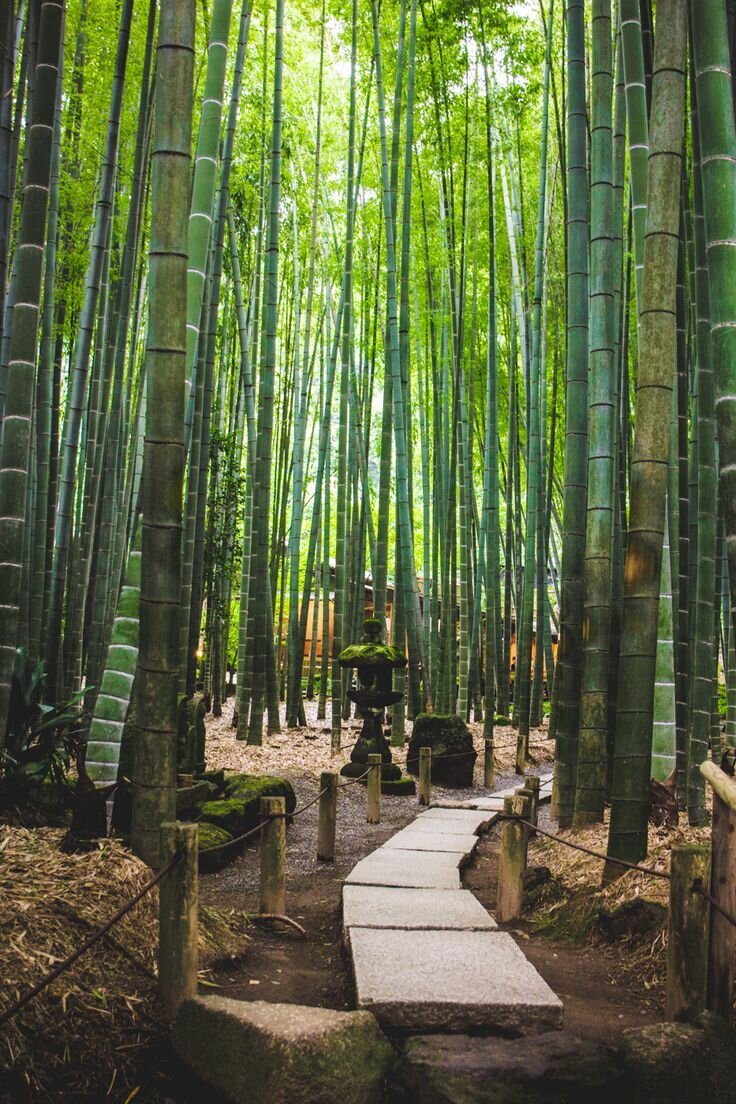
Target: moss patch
371 655
251 788
212 836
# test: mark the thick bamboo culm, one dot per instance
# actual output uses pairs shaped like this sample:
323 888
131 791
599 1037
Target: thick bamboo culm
178 955
273 856
512 861
425 775
327 817
722 943
687 933
374 789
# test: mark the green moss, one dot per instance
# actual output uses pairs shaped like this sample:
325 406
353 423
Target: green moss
398 787
371 655
217 777
212 836
251 788
226 813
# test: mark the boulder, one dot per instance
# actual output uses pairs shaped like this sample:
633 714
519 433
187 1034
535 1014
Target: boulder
227 813
252 787
453 755
552 1068
283 1053
633 918
677 1061
212 836
189 797
239 810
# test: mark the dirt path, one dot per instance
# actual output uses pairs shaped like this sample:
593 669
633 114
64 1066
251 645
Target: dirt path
281 966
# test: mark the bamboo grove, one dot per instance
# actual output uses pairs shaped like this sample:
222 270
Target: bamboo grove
418 307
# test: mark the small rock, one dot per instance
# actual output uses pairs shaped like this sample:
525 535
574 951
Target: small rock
635 917
283 1053
551 1068
675 1061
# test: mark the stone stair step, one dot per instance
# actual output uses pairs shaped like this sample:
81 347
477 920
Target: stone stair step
408 840
410 869
411 909
473 820
450 981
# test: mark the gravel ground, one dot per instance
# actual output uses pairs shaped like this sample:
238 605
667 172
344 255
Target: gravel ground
300 754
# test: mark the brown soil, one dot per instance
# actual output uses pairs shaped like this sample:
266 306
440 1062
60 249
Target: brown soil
600 997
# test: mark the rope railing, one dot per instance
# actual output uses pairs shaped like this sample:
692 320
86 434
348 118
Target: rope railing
696 886
701 929
586 850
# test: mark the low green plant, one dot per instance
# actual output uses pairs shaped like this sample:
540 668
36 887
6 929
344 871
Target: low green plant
42 740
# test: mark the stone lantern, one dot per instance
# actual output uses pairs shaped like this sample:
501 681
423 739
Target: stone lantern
375 663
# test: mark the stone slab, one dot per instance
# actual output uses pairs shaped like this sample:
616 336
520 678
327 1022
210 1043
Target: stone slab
473 820
472 804
411 909
407 840
450 981
410 869
282 1053
449 826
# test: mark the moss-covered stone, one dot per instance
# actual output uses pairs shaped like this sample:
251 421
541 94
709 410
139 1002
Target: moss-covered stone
371 655
674 1061
252 787
453 754
216 777
189 798
227 813
212 836
283 1053
398 787
552 1068
238 811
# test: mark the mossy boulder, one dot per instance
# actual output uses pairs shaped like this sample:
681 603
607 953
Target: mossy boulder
252 787
676 1061
238 811
227 813
398 787
216 777
188 798
283 1053
453 754
212 836
552 1068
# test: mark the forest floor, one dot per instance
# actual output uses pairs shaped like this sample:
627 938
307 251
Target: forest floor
603 993
601 951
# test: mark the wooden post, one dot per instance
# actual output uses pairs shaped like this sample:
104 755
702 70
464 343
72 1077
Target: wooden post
722 945
273 856
687 933
532 783
425 775
374 789
327 817
512 861
488 767
178 954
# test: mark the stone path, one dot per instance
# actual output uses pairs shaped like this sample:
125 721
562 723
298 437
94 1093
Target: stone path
426 955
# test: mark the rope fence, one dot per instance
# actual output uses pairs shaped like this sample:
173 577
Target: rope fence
701 943
700 972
